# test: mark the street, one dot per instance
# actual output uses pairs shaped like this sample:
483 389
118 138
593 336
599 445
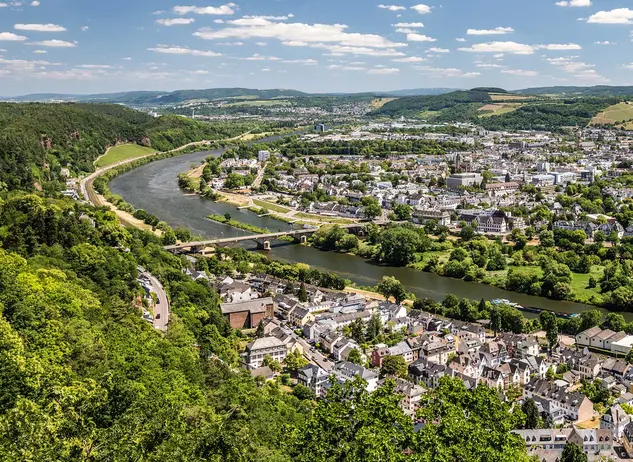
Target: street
161 310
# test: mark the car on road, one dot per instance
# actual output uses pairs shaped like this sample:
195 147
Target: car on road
158 316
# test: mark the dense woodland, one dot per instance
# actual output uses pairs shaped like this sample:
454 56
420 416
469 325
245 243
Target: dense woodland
85 378
38 140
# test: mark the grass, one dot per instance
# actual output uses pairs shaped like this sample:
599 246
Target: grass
614 114
508 97
380 102
123 152
322 219
580 282
498 109
238 224
270 206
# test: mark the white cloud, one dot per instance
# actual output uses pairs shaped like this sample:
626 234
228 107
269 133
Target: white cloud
271 18
261 44
55 44
340 50
501 47
175 21
392 7
40 27
35 3
561 47
296 34
227 9
177 50
258 57
127 58
489 66
405 30
574 3
339 67
439 50
305 62
410 59
420 38
84 28
495 31
445 72
412 25
421 8
384 71
629 66
498 55
295 43
11 37
40 52
617 16
605 42
460 39
519 72
95 66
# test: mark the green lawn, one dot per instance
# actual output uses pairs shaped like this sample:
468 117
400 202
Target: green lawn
579 283
613 114
270 206
123 152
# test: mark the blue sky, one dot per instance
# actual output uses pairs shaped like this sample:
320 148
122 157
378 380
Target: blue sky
85 46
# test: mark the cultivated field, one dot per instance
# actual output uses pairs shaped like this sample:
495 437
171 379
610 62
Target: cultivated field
380 102
498 109
615 114
122 152
508 97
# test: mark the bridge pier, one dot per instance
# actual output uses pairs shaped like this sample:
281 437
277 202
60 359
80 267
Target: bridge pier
263 244
301 238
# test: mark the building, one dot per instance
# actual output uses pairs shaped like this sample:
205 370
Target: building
257 350
458 180
585 337
559 403
315 378
248 314
615 419
549 443
347 371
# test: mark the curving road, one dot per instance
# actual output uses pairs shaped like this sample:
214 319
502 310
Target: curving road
161 310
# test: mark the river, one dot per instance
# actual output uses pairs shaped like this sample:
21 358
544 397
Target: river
154 187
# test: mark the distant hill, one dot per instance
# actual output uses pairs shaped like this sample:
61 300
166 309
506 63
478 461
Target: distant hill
598 90
411 106
163 98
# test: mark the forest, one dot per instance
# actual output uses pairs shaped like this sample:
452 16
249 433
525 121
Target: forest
37 140
85 378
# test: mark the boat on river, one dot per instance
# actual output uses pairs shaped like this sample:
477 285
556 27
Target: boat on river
531 309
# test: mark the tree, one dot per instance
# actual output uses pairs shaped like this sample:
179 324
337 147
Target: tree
629 356
259 332
403 212
394 366
303 393
450 302
355 357
532 417
573 453
374 326
467 233
294 361
589 319
227 216
550 324
614 321
371 207
508 178
391 287
303 295
398 245
495 320
273 364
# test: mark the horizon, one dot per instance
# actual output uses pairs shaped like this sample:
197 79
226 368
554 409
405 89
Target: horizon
333 48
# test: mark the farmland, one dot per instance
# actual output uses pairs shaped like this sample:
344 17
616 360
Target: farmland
615 114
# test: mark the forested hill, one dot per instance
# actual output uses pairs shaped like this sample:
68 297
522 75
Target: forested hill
598 90
37 140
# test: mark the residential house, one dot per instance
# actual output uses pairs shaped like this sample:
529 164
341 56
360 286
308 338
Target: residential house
257 350
586 337
315 378
347 371
615 419
300 316
559 403
548 443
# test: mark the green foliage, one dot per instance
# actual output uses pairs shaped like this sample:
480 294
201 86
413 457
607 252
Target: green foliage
573 453
394 366
391 287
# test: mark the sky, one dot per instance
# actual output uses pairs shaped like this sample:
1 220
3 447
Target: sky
89 46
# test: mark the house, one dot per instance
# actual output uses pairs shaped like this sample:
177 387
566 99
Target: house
347 371
300 316
598 340
585 337
627 440
235 292
615 419
401 349
428 373
248 314
589 366
411 396
315 378
257 350
549 443
493 354
559 403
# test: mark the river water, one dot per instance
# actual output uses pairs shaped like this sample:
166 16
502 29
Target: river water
154 187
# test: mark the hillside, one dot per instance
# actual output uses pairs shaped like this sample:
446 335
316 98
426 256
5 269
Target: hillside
598 90
37 140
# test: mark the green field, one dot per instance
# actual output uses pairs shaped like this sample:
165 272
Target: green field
614 114
498 109
270 206
123 152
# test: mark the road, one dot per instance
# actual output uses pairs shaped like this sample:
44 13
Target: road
161 310
312 354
